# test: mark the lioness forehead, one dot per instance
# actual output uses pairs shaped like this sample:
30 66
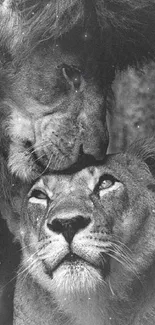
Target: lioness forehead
118 165
87 177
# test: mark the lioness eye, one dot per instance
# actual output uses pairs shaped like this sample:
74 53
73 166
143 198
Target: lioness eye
38 195
106 183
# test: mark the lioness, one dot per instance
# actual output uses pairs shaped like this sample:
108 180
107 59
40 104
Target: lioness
88 244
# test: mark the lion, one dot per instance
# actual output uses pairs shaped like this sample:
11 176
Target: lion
57 63
88 244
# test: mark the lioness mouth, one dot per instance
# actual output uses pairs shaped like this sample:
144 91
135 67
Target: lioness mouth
73 260
70 258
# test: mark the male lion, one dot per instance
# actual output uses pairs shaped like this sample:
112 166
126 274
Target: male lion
88 244
57 62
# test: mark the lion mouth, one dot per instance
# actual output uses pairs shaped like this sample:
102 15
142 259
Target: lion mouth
43 163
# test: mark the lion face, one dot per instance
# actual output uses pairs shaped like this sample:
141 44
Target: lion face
91 232
53 101
54 110
57 63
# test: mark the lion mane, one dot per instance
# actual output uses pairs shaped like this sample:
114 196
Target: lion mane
57 62
58 59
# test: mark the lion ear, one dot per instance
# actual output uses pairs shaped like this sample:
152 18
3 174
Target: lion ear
144 149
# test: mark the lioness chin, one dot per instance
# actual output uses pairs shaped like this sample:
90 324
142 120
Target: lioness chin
88 244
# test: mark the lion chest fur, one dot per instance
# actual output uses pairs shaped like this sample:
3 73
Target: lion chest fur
88 244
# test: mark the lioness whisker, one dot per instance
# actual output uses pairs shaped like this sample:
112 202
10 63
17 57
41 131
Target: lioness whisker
125 263
121 253
25 246
27 269
121 261
15 277
108 246
10 281
117 241
122 250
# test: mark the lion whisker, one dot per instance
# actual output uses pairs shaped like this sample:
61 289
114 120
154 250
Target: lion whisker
42 144
48 164
38 158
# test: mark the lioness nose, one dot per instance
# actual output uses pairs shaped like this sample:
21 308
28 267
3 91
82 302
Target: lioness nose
68 227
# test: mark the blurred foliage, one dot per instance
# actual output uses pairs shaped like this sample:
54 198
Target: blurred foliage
133 113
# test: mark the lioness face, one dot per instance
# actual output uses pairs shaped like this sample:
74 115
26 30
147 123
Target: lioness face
81 233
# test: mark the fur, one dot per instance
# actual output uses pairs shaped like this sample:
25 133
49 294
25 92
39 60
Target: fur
107 35
122 25
105 215
44 45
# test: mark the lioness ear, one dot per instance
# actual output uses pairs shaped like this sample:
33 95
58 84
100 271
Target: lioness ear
144 149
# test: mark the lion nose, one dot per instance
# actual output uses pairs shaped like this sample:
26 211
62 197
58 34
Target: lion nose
68 227
73 75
